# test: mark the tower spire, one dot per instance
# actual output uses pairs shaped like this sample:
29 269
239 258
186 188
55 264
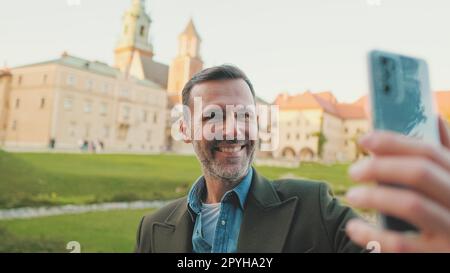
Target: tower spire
189 41
134 36
187 63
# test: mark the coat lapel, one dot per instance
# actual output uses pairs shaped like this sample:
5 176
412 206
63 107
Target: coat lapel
265 225
175 234
267 220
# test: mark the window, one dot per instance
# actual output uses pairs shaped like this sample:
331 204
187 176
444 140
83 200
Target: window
105 88
89 85
88 107
149 136
104 109
44 79
126 112
17 103
68 103
142 31
42 103
155 118
288 136
144 116
124 92
71 80
19 80
297 136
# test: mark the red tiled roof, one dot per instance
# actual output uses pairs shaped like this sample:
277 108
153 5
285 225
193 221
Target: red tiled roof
327 95
323 100
351 111
356 110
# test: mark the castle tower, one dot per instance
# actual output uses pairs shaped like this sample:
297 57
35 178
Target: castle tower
186 63
134 38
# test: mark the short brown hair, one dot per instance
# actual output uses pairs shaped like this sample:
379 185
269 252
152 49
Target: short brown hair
216 73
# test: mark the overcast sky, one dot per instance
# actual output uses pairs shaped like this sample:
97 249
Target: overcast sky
283 45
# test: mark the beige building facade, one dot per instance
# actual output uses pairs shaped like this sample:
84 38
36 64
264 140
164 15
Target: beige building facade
315 127
70 101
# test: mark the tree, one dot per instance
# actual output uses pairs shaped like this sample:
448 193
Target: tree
320 143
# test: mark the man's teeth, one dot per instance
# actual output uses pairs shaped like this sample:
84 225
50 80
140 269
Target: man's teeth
230 150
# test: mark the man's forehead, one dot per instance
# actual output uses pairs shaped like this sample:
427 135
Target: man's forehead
223 92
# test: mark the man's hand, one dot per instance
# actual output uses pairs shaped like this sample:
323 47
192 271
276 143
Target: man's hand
425 170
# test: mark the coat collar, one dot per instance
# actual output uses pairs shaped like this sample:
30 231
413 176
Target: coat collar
265 216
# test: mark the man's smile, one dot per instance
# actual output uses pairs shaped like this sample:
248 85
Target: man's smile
230 150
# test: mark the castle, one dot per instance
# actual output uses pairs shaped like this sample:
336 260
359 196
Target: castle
70 103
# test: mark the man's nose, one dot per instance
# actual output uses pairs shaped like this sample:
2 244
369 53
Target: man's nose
230 127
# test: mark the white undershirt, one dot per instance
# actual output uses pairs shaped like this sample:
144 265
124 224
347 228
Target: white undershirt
210 215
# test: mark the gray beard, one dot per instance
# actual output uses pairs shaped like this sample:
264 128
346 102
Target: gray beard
216 171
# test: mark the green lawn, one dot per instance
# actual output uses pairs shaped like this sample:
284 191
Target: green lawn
113 231
28 179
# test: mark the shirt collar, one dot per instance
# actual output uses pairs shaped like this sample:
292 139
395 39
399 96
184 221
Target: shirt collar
199 187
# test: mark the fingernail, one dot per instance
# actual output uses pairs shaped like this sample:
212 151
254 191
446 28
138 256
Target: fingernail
355 195
356 170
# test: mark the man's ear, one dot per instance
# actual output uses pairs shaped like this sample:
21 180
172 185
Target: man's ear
185 131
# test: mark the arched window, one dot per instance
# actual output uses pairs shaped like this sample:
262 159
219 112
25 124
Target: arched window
142 31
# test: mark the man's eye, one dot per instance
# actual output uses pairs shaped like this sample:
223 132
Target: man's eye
209 116
244 116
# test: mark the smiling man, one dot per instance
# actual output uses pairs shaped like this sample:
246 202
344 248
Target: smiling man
231 208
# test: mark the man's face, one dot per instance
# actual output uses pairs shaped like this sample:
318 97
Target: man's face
226 148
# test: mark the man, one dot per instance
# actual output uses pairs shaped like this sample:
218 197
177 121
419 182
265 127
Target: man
231 208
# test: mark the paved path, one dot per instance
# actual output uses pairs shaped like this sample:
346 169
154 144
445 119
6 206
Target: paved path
25 213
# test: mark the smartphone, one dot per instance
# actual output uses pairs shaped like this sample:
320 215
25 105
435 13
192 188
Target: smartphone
401 102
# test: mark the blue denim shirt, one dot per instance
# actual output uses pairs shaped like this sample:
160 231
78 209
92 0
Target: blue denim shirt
229 221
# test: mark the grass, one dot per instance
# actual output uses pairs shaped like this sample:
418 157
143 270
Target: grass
29 179
112 231
56 179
